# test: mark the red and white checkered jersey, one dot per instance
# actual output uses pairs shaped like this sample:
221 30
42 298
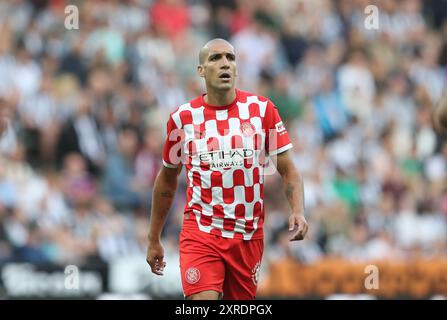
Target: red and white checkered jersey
223 149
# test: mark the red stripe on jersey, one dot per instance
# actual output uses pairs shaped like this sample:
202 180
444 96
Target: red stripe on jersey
239 211
204 166
248 163
216 178
218 211
212 144
188 195
253 109
228 195
223 127
209 114
229 224
205 220
249 227
249 194
257 209
255 175
196 207
238 178
185 116
206 195
237 142
196 181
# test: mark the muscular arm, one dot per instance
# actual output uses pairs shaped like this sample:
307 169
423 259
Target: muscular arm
162 196
293 185
165 187
440 114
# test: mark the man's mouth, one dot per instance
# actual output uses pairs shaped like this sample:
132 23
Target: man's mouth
225 76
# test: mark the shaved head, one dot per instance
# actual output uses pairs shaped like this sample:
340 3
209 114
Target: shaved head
217 65
203 53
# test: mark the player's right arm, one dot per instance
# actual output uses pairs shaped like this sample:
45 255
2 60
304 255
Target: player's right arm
163 193
440 114
162 196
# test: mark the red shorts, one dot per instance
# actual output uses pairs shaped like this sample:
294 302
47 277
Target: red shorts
228 266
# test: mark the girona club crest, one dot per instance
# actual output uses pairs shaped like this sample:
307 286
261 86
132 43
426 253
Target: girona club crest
247 129
192 275
255 273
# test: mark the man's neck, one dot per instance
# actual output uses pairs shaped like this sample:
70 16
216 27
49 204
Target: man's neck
222 98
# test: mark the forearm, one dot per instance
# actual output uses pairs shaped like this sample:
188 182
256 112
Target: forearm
294 190
162 197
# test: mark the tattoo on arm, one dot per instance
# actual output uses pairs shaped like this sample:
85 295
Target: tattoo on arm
289 191
166 194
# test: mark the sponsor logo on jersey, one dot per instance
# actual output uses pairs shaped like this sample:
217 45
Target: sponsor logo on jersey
226 158
280 127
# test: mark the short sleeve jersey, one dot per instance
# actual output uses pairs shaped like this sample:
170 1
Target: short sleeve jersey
225 152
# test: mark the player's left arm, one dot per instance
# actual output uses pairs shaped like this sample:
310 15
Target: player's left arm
293 185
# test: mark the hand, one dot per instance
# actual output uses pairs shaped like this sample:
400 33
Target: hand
297 227
155 255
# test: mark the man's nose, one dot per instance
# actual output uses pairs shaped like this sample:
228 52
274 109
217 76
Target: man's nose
225 63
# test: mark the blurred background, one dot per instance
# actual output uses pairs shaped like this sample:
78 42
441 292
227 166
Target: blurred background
88 109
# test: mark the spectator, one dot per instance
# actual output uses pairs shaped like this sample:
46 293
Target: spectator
82 135
289 108
119 172
330 110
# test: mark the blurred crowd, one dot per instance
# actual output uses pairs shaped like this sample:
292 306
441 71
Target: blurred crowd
88 109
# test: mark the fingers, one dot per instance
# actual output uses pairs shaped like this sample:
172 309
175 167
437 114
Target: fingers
291 223
301 227
305 228
294 228
157 265
298 235
301 234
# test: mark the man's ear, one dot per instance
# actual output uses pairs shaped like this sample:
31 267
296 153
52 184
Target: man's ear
201 70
